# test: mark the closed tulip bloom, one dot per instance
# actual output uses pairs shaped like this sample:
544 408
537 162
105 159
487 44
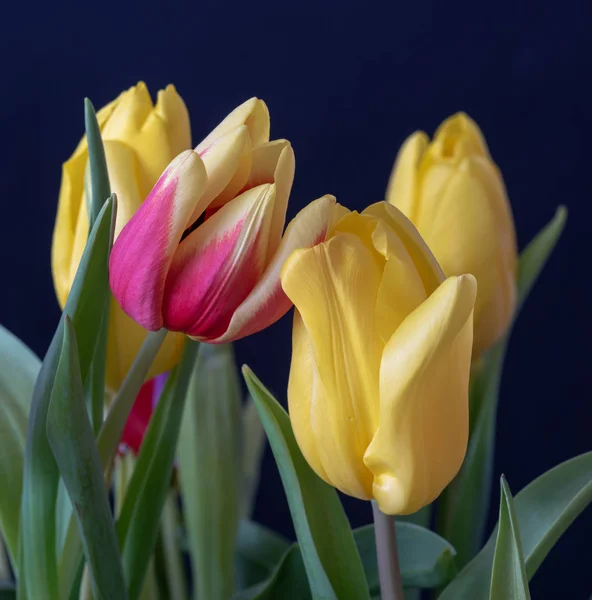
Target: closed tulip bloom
378 389
140 140
454 194
202 255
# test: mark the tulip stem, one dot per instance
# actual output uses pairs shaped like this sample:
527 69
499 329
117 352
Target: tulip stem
389 570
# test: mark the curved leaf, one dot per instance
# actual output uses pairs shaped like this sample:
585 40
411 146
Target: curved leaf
139 522
209 469
508 576
19 368
544 510
331 559
72 442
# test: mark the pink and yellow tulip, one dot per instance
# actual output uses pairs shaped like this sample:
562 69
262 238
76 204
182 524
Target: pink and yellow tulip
203 253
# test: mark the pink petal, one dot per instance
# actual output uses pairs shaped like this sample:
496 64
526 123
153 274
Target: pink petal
218 264
267 302
143 252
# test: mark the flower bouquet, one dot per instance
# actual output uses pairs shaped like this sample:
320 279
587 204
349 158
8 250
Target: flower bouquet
130 457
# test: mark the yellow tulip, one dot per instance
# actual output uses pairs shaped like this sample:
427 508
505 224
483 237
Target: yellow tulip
378 389
454 194
140 140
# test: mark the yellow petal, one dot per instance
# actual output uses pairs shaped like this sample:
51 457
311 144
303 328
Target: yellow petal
428 268
125 339
401 289
467 225
171 109
424 376
222 160
274 162
403 186
334 287
253 113
71 209
458 137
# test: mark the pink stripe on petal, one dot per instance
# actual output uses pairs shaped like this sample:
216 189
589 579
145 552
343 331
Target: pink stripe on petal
143 252
217 266
267 302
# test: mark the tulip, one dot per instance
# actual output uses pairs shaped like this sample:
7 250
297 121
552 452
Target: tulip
454 194
378 388
140 139
202 255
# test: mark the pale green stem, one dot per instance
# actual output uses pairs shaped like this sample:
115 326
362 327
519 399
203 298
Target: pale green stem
389 570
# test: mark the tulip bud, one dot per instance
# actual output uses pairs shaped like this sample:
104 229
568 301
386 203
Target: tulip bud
140 139
202 255
378 389
454 194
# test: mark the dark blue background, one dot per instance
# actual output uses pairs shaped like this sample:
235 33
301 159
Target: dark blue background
345 82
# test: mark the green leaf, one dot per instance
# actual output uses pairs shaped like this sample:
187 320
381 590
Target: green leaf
19 368
210 469
100 190
464 505
332 562
40 476
427 561
99 175
534 257
72 442
107 443
259 551
253 446
138 524
508 576
544 510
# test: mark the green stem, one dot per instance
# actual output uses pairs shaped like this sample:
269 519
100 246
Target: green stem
389 570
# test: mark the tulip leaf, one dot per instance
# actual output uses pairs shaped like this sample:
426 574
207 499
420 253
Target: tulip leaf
259 551
139 521
100 190
99 175
72 442
427 561
253 446
464 505
543 510
19 368
508 574
330 556
209 469
40 474
107 443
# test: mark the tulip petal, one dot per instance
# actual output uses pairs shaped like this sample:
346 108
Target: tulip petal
253 113
334 286
274 162
136 122
217 265
172 111
402 190
459 136
424 377
143 252
227 163
267 301
71 210
473 211
401 288
428 268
